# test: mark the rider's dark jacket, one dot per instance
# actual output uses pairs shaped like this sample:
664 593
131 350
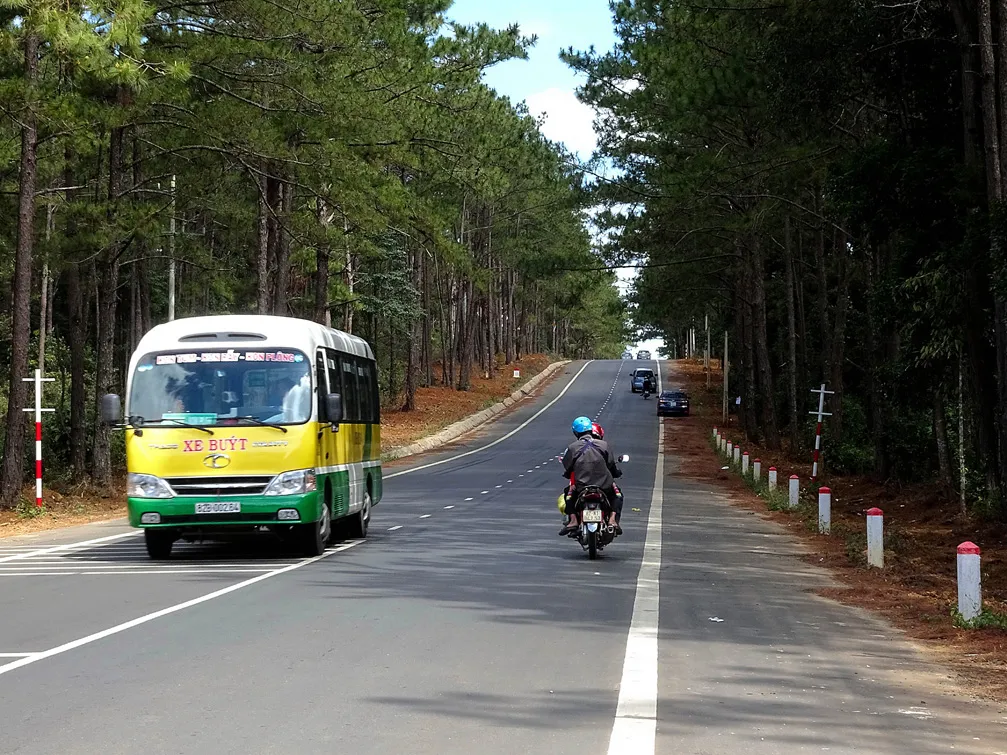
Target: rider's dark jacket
591 462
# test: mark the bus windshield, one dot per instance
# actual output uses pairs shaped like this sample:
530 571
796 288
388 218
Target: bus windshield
221 387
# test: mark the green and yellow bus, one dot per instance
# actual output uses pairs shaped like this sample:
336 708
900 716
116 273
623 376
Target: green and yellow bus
250 422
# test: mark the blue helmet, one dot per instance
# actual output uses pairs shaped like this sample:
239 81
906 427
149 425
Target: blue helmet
581 425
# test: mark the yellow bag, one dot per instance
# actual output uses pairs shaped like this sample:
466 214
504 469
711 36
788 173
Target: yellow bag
561 503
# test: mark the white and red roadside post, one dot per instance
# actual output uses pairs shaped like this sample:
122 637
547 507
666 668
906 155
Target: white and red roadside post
744 464
824 510
517 374
875 538
730 449
38 409
757 470
795 491
737 454
772 478
970 597
818 429
716 433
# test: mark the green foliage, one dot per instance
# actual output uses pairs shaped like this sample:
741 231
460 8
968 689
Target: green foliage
352 148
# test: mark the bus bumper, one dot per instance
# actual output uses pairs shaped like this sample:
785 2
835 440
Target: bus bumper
180 512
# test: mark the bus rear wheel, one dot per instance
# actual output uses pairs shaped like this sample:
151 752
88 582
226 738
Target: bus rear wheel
159 543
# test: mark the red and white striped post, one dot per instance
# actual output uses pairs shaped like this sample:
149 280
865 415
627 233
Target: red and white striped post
38 380
818 429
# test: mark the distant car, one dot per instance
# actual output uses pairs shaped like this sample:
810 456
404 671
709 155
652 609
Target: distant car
637 378
670 403
643 355
627 355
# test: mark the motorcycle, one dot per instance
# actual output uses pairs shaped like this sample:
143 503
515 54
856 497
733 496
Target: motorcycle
646 391
592 509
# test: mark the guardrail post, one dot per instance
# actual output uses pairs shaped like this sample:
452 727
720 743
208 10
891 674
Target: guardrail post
824 510
757 470
970 600
795 491
875 538
772 478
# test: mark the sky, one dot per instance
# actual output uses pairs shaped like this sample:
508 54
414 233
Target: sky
545 82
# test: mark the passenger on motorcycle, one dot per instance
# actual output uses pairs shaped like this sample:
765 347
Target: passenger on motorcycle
598 432
589 461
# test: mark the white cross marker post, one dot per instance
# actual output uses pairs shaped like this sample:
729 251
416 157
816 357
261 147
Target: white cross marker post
818 430
38 380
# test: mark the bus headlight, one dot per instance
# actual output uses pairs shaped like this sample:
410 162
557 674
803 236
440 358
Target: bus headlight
147 486
292 483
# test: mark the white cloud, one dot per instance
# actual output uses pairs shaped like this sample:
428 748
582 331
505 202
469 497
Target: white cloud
567 119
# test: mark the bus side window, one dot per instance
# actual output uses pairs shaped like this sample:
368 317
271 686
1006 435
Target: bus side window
351 405
321 385
368 387
335 375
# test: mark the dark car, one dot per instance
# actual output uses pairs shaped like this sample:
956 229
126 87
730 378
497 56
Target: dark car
670 403
636 382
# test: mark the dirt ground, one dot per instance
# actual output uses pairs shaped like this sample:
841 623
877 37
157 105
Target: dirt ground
437 407
917 590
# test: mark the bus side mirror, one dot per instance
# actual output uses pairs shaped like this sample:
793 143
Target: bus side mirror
111 409
624 458
334 408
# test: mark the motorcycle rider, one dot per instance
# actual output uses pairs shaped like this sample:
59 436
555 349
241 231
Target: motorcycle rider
590 461
598 432
649 385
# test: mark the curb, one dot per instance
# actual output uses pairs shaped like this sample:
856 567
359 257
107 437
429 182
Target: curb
467 425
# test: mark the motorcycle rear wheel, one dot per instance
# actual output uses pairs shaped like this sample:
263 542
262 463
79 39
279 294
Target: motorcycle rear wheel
592 545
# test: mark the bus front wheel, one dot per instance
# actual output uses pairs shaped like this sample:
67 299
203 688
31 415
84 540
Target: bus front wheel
159 543
314 535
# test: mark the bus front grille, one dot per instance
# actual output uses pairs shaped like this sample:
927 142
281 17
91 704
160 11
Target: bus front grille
213 487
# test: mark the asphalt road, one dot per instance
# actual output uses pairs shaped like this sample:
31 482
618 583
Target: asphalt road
465 625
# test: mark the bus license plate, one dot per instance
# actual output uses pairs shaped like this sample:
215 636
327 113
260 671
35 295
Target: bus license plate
219 507
592 515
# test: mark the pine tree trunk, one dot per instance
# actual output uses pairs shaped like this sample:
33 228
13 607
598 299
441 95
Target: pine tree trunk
101 458
941 436
77 337
262 256
322 255
12 470
283 243
788 264
838 357
765 367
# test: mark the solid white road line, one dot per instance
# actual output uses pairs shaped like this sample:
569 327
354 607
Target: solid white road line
7 668
66 547
16 655
512 433
635 729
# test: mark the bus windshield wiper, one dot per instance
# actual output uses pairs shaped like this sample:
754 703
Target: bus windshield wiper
140 422
257 421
